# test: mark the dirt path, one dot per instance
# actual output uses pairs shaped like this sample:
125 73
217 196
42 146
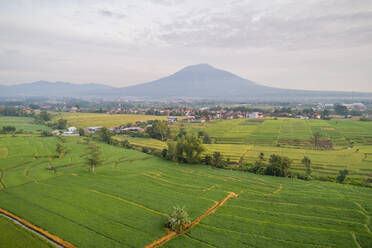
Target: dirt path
276 191
129 202
172 235
42 232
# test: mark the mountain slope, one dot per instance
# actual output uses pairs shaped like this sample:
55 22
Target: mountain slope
197 81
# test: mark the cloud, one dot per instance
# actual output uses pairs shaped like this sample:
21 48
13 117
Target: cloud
108 13
323 44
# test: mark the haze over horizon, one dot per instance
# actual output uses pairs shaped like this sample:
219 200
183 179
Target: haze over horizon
313 45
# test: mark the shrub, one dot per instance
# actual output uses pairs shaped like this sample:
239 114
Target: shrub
342 176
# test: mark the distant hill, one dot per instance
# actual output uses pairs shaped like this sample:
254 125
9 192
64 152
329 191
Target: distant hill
197 82
57 89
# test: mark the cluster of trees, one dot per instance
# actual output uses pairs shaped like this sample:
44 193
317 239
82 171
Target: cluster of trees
10 111
276 166
42 117
186 149
8 129
216 160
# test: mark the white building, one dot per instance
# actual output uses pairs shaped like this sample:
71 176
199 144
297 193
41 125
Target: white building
71 131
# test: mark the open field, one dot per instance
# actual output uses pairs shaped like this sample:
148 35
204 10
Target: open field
21 123
82 120
125 204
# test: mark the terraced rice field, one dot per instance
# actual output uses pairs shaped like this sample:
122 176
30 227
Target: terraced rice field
22 123
83 120
126 203
288 137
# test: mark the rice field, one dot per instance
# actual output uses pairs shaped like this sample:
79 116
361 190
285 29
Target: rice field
15 236
22 123
83 120
126 202
288 137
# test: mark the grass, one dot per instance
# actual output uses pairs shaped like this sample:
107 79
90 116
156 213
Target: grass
83 120
125 204
12 235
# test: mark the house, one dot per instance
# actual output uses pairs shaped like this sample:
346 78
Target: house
172 119
92 129
254 115
56 132
71 131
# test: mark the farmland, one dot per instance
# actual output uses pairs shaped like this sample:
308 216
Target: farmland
22 123
127 201
15 236
83 120
242 138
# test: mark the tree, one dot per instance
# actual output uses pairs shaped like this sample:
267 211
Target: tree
159 130
187 148
261 157
34 106
340 109
44 116
316 138
205 137
278 166
61 150
208 159
307 163
105 135
178 220
61 124
8 129
217 160
93 156
81 132
342 176
325 114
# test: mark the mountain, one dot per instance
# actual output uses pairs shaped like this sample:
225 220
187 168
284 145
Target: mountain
57 89
192 82
206 82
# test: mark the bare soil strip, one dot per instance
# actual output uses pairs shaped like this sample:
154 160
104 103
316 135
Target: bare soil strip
42 232
276 191
171 235
130 202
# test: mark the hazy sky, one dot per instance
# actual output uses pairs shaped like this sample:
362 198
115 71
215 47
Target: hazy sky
309 44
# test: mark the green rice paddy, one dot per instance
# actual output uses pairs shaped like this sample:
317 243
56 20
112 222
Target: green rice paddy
126 202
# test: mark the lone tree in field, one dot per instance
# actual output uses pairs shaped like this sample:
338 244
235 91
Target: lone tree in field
93 156
307 163
105 135
178 220
261 157
342 176
61 150
159 130
316 139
